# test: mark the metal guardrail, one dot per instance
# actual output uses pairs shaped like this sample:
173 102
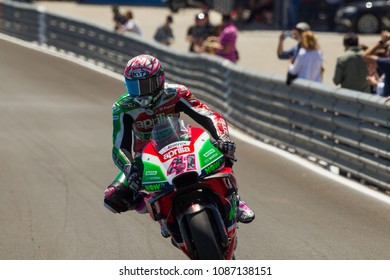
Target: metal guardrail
337 127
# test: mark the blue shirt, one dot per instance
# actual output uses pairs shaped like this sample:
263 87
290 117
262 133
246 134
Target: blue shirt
384 65
290 53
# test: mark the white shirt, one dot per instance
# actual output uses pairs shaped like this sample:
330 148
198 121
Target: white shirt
132 26
380 87
307 65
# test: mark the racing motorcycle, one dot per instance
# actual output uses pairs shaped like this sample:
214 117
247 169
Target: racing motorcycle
189 190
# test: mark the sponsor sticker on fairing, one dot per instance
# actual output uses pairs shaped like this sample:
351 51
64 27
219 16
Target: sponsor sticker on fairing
174 145
209 152
175 152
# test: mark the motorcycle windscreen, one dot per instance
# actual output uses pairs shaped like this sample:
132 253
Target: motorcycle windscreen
168 131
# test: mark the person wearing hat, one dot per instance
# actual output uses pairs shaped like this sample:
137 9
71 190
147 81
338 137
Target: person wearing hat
164 33
296 34
197 33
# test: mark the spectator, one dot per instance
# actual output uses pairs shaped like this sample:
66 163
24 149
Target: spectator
383 63
261 10
210 45
375 78
119 19
308 63
239 8
331 7
226 45
131 26
164 33
196 33
351 70
209 28
296 34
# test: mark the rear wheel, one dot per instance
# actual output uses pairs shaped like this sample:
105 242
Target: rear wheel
203 236
367 23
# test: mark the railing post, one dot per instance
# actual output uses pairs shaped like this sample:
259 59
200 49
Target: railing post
42 26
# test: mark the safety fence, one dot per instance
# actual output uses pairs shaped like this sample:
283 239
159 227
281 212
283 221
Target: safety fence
333 127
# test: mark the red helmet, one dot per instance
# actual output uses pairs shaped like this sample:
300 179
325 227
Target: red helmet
144 78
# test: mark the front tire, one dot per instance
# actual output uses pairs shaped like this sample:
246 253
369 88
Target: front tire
203 236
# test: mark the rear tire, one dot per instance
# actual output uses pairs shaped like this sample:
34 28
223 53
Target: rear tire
203 236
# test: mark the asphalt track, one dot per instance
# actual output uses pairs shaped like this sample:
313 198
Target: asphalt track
55 162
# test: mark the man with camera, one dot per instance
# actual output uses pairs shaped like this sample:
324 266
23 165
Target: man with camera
295 34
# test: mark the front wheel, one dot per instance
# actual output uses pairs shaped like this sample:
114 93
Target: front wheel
203 237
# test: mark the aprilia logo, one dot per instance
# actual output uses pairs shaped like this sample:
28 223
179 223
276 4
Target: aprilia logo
149 123
172 153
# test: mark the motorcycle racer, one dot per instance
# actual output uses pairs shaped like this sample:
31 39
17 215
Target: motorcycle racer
148 101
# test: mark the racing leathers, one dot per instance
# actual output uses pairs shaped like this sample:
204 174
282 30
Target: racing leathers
132 127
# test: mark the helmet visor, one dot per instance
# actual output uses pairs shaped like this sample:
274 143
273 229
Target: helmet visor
144 87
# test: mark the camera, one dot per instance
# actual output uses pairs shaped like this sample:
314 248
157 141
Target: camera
287 33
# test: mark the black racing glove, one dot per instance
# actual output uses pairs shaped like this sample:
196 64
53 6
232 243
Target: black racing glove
227 147
133 176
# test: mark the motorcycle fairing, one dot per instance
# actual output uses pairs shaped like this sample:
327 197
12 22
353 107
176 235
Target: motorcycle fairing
161 167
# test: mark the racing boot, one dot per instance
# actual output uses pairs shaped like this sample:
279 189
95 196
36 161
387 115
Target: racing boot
244 213
119 198
141 207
